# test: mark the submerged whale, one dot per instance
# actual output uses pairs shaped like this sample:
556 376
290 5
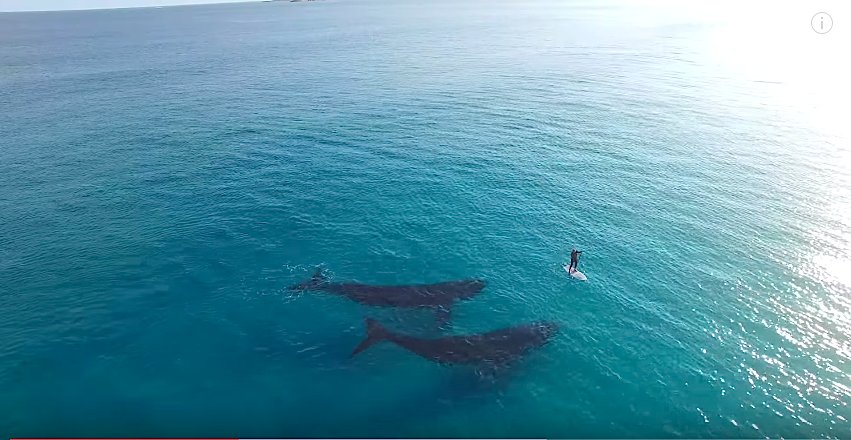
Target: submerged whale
495 348
440 296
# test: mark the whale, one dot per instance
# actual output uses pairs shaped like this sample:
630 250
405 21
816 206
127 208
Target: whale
440 296
495 348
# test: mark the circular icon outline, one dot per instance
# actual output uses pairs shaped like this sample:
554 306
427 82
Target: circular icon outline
823 15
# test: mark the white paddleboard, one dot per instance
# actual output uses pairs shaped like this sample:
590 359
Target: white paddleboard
576 274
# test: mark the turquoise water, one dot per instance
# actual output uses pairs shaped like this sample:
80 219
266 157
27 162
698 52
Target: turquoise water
167 172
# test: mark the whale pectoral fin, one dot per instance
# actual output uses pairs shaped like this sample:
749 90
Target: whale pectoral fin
442 314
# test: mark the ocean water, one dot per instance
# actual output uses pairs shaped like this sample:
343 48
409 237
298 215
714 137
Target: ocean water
165 173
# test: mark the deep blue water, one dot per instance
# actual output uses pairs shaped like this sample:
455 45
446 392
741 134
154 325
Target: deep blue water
165 173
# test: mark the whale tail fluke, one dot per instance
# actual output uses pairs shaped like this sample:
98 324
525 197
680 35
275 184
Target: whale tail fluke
375 333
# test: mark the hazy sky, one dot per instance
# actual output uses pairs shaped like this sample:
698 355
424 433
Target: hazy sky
46 5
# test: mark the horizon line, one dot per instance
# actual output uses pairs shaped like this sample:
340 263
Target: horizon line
175 5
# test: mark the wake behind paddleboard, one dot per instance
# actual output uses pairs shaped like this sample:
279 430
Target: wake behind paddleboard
575 273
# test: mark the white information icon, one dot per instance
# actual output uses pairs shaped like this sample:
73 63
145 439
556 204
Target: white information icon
822 23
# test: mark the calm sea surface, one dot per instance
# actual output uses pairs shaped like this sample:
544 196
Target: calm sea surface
165 173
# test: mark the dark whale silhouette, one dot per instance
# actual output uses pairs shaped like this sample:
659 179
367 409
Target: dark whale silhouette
441 296
495 348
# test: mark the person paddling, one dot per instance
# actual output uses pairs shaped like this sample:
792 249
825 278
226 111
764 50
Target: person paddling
574 260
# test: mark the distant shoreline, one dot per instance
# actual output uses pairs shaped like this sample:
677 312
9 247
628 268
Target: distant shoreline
208 3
